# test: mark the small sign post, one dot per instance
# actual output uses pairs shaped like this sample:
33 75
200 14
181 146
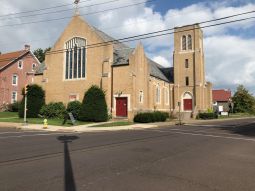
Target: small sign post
72 118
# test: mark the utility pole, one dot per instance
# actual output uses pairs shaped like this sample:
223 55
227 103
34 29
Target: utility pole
25 106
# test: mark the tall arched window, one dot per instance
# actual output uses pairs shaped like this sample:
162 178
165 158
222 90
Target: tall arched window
184 43
75 66
189 42
158 94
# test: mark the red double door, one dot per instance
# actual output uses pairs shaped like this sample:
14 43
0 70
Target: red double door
187 104
121 107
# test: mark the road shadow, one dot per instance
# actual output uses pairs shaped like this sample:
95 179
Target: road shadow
242 129
68 172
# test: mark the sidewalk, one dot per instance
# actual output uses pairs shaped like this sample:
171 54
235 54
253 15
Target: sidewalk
86 128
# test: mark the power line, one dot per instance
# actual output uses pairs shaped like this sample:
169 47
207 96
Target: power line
110 28
126 39
145 36
36 10
92 13
59 11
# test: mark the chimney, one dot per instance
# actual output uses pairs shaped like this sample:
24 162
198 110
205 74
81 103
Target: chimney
27 47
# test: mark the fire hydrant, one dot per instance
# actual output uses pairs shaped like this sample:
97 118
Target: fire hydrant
45 123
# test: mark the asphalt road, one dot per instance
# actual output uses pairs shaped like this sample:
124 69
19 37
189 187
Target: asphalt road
212 156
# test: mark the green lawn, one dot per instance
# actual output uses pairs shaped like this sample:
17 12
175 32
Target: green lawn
114 124
13 118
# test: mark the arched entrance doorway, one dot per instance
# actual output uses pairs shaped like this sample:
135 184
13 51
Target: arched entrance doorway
187 101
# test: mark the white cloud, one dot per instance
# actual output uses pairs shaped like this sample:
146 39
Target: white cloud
161 60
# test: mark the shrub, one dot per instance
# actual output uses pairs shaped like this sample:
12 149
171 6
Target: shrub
35 101
207 116
74 107
53 110
94 106
14 107
149 117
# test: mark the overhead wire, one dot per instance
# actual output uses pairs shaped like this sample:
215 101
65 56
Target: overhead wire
42 9
230 16
60 11
149 35
62 18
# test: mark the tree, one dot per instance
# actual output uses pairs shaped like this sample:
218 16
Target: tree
243 100
94 106
40 53
35 101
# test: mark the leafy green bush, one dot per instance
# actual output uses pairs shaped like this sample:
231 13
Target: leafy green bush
94 106
207 116
74 107
35 101
53 110
150 117
14 107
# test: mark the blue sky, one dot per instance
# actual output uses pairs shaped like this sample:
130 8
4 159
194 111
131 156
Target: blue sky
229 49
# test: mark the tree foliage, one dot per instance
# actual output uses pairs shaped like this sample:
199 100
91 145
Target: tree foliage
40 53
35 101
243 100
74 107
94 106
53 110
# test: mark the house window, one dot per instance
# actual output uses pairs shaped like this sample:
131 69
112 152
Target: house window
14 97
33 66
141 97
75 65
189 42
20 64
186 63
15 80
187 81
184 42
166 96
157 94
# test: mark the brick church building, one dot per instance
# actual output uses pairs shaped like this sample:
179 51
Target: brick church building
132 81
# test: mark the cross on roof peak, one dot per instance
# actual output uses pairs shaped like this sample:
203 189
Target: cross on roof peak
76 2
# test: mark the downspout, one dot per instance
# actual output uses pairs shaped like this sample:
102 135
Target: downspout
111 88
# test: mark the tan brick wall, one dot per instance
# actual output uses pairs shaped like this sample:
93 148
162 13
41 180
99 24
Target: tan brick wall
57 87
196 70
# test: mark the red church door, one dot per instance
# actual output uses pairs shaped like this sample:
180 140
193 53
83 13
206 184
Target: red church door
121 107
187 103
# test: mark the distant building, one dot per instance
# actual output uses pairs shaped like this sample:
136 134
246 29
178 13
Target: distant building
132 82
221 99
16 70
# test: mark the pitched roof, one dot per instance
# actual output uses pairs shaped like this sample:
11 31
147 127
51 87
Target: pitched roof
8 58
40 68
221 95
121 57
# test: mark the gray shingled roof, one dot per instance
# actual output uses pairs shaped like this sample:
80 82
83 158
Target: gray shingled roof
40 69
121 56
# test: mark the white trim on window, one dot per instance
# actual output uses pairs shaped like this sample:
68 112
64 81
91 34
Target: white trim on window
33 66
14 79
20 64
14 97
